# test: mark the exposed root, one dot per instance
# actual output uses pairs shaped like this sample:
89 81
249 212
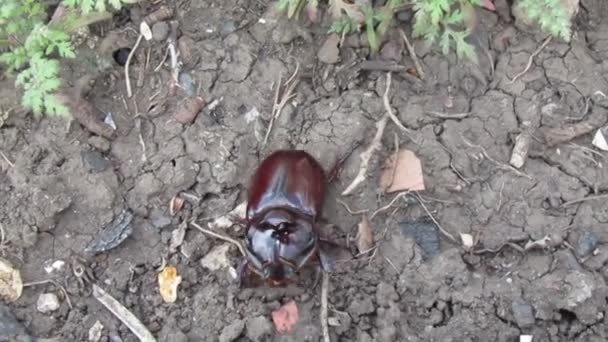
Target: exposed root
51 281
529 65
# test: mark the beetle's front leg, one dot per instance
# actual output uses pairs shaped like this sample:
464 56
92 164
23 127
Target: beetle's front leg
243 274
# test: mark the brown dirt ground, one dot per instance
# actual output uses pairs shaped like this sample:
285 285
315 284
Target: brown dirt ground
66 185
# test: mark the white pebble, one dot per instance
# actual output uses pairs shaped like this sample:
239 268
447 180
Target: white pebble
47 302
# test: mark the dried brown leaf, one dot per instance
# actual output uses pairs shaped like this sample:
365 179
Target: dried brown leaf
402 171
365 236
168 281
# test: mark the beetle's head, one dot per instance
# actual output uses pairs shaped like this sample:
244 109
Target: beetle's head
279 244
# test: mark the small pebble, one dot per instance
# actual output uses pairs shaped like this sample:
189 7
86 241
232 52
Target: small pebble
47 302
100 143
587 243
329 53
160 31
232 331
523 314
94 161
227 28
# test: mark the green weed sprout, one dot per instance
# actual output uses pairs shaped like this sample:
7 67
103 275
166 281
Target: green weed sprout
31 48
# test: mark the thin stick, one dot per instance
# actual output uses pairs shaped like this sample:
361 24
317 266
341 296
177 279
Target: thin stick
379 210
128 82
123 314
410 49
501 165
388 107
219 236
373 146
584 199
51 281
529 65
443 231
448 116
8 161
324 294
350 211
277 108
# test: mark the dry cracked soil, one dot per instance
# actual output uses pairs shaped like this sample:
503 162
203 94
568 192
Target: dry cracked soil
63 187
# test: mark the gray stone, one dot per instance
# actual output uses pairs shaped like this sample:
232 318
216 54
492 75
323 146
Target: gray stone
9 326
523 313
160 31
258 328
232 331
94 161
587 243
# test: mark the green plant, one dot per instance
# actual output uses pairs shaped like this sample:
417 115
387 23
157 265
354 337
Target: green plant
551 15
437 21
446 23
31 47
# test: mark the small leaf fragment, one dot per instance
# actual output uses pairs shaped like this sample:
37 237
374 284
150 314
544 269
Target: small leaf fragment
365 236
286 317
168 281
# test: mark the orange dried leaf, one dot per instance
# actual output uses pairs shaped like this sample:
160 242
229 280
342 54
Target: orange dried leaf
168 281
365 236
285 318
402 171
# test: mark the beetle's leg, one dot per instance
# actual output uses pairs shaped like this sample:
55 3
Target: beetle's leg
333 173
318 273
243 274
326 261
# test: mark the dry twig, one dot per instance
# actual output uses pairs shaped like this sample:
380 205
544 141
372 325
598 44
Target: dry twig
379 210
410 49
389 109
350 211
373 146
127 80
441 229
324 294
219 236
487 156
123 314
584 199
448 116
277 108
8 161
540 48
